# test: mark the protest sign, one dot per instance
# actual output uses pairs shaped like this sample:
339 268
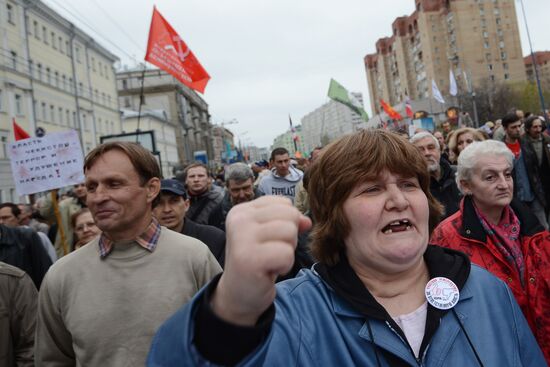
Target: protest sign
51 162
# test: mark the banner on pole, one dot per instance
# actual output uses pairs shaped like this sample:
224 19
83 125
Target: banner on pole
51 162
167 50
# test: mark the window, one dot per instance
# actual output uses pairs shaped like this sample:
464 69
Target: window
71 85
44 34
68 117
13 59
31 68
498 21
503 55
52 113
485 34
56 79
60 114
53 41
77 52
48 76
44 112
496 11
486 44
505 66
64 82
39 70
127 102
36 30
124 84
490 66
18 107
93 63
100 69
60 44
501 44
67 48
105 72
488 57
11 16
74 119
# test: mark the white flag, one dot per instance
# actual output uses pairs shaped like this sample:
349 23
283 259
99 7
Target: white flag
453 89
436 93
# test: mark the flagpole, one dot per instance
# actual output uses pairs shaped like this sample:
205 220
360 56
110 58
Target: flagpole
141 97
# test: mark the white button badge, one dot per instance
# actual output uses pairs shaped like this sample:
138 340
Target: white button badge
442 293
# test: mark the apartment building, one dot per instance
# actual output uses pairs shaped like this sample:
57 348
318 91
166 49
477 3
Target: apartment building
53 76
185 109
476 39
330 121
286 140
542 59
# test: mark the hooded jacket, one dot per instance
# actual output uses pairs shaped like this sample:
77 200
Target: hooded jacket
202 205
273 184
463 231
321 320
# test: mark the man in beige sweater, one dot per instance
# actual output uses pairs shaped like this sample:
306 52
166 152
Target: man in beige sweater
101 305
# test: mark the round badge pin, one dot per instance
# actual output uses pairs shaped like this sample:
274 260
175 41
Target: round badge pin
442 293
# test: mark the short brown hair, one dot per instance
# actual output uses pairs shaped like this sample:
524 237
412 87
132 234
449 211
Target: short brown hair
142 160
349 161
195 165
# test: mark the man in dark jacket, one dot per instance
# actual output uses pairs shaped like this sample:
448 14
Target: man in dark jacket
21 247
536 149
171 212
18 301
203 196
442 174
239 182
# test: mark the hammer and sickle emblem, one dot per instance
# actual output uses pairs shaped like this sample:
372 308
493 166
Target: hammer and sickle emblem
179 48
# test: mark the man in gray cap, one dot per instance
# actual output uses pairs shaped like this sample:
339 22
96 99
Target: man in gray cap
171 210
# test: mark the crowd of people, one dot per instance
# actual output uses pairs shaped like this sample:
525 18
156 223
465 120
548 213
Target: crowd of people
378 250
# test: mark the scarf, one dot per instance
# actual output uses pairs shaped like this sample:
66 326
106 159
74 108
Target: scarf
505 236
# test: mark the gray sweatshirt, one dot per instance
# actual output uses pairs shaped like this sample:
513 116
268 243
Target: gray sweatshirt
273 184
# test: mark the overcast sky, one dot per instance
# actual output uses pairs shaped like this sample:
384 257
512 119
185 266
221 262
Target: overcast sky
267 59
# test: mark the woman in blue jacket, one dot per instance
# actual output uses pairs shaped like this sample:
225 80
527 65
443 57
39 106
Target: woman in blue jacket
379 295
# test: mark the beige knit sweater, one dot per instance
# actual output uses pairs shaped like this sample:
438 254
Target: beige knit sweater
104 312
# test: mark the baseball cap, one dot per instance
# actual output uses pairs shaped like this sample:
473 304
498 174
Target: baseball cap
262 163
173 186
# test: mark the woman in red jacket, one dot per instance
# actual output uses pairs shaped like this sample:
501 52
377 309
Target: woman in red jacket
499 233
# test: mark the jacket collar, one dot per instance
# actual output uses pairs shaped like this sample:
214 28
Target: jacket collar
472 228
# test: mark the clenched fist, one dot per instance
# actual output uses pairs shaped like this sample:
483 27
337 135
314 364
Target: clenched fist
261 237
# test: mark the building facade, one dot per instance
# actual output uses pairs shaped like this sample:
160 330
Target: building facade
286 140
164 132
52 76
184 108
223 146
477 40
330 121
542 59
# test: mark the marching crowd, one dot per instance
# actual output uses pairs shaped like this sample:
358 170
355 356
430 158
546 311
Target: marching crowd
379 250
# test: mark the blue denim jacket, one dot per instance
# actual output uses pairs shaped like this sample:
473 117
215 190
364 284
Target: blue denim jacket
315 327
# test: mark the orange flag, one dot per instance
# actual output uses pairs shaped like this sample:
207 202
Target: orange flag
167 50
393 114
18 131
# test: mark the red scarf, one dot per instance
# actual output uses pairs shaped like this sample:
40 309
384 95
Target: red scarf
505 235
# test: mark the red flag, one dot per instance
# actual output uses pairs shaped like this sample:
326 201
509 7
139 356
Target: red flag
408 108
393 114
18 131
167 50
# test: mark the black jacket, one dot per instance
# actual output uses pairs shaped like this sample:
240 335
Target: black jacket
219 213
213 237
539 174
202 205
22 247
445 190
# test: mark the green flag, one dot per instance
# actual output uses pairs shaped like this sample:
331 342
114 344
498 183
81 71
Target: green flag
340 94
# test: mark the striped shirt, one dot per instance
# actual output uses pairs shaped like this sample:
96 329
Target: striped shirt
148 239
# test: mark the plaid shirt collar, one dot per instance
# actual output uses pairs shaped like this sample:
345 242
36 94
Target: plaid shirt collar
148 239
